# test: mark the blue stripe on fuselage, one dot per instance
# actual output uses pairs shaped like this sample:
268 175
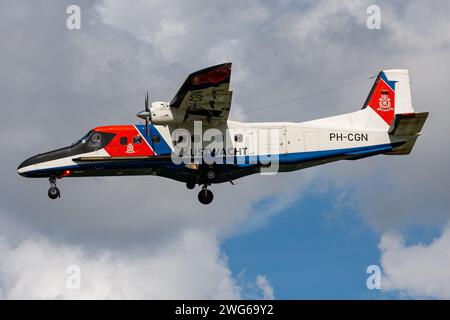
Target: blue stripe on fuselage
297 157
240 161
161 147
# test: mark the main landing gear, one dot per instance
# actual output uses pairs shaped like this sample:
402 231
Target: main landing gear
208 176
205 196
53 191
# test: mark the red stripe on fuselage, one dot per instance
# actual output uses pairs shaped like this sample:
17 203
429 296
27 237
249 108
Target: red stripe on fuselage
127 142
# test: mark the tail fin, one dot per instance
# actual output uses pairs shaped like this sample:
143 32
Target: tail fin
390 95
390 108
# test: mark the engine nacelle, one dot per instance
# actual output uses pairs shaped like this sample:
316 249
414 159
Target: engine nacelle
161 113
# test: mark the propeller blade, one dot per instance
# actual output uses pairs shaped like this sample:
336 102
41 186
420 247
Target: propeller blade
146 126
146 102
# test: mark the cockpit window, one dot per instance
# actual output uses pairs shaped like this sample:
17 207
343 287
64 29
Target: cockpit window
83 139
92 141
95 140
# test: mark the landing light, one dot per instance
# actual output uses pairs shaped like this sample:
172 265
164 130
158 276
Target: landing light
66 173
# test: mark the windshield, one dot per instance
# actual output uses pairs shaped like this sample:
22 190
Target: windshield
92 141
83 139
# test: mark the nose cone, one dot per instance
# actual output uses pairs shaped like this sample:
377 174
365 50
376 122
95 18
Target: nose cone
143 114
40 165
27 166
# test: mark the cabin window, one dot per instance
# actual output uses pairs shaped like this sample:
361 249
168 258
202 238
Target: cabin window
156 139
123 141
238 138
137 140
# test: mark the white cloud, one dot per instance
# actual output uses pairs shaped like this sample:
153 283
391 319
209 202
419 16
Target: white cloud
419 270
180 29
188 267
263 283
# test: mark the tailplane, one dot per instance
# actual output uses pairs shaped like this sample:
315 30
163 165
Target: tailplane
407 126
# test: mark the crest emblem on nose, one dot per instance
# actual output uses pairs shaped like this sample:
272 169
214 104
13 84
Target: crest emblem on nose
130 148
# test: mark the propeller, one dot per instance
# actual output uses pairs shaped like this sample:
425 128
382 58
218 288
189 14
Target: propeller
147 118
145 115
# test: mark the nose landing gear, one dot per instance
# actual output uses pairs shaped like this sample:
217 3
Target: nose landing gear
205 196
53 191
190 185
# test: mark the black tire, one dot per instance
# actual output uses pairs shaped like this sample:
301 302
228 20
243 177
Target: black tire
53 193
190 185
205 196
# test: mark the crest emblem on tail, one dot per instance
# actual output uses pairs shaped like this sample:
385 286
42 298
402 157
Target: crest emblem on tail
384 102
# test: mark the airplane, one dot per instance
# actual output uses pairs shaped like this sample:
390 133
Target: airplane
191 140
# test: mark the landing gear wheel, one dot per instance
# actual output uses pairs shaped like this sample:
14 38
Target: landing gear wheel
53 193
210 175
190 185
205 196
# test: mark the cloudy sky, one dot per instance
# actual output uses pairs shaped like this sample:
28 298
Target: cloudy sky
306 234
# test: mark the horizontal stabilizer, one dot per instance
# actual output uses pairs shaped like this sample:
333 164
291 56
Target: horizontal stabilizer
408 124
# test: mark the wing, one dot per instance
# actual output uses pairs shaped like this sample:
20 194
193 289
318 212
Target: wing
205 94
